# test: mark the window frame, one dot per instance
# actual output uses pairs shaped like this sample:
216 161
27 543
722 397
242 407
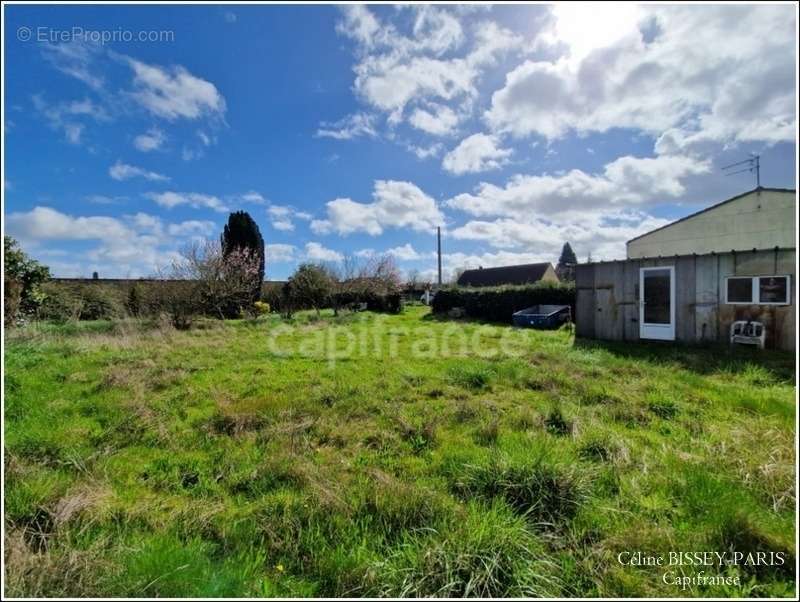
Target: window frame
787 301
755 290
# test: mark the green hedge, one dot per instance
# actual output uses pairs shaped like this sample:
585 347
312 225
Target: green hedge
497 304
387 303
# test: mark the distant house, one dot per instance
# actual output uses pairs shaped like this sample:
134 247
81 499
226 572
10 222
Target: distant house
529 273
693 279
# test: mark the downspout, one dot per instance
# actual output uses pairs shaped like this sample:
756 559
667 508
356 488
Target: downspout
718 303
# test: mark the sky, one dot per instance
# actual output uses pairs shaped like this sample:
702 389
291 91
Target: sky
354 131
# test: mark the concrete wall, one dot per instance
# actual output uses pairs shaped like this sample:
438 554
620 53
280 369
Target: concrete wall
607 304
761 219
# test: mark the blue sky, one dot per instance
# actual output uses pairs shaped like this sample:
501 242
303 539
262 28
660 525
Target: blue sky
357 130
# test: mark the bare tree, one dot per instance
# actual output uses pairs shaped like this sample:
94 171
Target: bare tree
204 280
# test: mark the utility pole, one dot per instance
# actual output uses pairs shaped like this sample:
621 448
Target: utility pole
439 252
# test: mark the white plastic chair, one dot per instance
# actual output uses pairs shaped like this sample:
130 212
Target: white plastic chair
746 332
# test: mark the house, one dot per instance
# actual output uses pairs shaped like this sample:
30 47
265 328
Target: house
692 279
528 273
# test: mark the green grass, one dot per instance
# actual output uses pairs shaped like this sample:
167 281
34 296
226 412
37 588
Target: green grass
367 455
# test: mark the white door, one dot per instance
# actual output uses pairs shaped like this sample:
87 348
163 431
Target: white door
657 303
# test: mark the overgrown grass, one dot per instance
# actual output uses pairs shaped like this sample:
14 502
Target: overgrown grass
223 461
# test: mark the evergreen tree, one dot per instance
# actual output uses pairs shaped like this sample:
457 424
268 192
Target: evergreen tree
241 232
566 264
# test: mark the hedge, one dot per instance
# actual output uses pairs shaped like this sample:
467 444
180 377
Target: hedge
497 304
388 303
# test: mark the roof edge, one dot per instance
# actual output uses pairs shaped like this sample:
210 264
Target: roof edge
696 213
505 267
679 255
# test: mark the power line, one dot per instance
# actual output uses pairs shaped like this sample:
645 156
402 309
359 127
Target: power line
753 165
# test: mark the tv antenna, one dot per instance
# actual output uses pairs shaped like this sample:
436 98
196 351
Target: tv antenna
752 164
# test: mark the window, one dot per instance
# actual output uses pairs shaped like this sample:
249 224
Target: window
757 290
740 290
773 289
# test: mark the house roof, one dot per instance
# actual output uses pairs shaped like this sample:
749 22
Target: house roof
511 274
730 200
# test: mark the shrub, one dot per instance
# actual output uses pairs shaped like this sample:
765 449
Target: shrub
91 301
379 302
497 304
272 295
261 308
12 300
178 300
29 273
134 303
310 286
100 302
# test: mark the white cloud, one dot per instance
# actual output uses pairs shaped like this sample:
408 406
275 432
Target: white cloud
624 182
174 93
192 228
603 233
254 197
476 153
101 199
122 171
395 205
68 116
190 154
205 138
316 252
740 88
195 200
45 223
279 253
352 126
129 246
151 140
397 69
281 217
440 120
426 152
407 252
596 213
76 59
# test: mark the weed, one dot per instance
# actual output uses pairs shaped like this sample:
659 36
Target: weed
556 424
473 377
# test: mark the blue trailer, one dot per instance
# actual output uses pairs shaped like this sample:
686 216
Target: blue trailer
542 316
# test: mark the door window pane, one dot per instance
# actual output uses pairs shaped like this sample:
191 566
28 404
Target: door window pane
656 297
740 290
773 289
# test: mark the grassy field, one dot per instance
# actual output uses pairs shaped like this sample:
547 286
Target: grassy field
401 455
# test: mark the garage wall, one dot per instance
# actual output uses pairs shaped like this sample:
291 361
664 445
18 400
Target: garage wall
607 304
